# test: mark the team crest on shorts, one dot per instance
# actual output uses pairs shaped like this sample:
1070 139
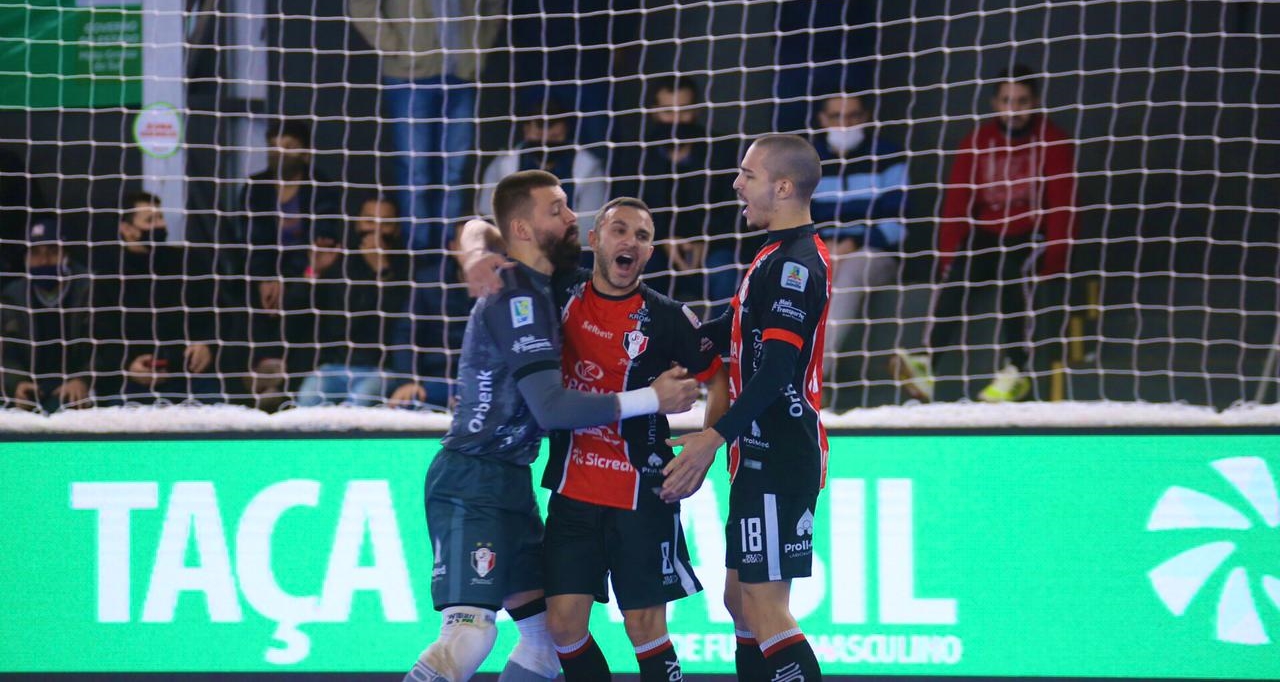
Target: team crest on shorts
635 342
483 560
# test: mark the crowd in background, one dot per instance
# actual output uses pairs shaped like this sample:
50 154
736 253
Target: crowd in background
320 296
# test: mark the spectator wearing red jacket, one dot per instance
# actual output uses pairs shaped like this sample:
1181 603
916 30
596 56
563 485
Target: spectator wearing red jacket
1007 217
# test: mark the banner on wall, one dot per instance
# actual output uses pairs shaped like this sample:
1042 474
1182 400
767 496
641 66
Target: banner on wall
1138 556
70 53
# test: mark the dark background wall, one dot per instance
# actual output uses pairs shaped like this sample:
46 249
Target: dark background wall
1174 104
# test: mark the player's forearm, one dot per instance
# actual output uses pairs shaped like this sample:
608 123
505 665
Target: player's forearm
718 331
777 364
557 407
717 397
478 236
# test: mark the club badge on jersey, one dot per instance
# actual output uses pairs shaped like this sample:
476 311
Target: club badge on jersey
635 342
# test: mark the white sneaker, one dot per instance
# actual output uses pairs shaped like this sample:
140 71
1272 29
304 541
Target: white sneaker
915 373
1009 385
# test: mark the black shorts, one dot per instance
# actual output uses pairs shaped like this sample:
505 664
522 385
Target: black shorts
769 536
643 552
485 529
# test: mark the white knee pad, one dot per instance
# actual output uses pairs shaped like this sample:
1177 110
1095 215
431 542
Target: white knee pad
535 651
466 637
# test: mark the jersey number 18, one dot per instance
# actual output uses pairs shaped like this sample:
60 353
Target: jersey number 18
751 540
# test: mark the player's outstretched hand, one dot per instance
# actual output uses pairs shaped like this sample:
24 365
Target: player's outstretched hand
676 390
686 472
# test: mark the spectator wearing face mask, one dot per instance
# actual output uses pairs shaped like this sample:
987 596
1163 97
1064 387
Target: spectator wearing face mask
288 206
685 175
153 313
859 209
358 294
1008 216
45 348
547 144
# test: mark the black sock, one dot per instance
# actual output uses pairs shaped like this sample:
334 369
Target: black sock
748 660
533 608
658 661
583 661
789 658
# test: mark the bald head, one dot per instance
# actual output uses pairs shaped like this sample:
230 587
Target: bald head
791 157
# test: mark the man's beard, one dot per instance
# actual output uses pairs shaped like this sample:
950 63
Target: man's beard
607 269
564 252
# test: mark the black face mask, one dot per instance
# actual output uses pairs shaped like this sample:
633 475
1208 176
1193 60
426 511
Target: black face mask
45 277
289 167
154 236
681 132
533 157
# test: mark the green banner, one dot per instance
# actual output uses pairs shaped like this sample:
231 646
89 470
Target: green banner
64 53
1138 556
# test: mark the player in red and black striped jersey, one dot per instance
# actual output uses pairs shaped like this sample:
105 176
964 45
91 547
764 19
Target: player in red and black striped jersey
605 518
774 331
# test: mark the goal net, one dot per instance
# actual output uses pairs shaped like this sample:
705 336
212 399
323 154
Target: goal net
254 203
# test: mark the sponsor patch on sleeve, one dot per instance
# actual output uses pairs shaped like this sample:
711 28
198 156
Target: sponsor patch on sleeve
789 310
521 311
531 344
794 276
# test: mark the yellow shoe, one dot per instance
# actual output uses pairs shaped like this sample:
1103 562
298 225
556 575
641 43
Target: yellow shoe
1008 386
913 370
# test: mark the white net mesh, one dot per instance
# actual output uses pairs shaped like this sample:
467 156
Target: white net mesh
312 159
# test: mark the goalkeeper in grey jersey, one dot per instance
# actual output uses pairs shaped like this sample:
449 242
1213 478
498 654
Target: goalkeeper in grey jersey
482 517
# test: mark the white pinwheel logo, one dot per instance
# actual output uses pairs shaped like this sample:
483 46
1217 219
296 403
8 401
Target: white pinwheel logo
1179 579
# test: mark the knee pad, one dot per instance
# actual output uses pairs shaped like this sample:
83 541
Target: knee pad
466 637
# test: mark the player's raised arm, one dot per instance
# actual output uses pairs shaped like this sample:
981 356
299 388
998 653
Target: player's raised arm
483 254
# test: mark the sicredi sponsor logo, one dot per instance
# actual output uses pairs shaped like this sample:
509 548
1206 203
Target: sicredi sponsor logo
595 460
1177 580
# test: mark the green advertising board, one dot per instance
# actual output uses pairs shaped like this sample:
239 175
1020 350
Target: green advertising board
1070 555
69 53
